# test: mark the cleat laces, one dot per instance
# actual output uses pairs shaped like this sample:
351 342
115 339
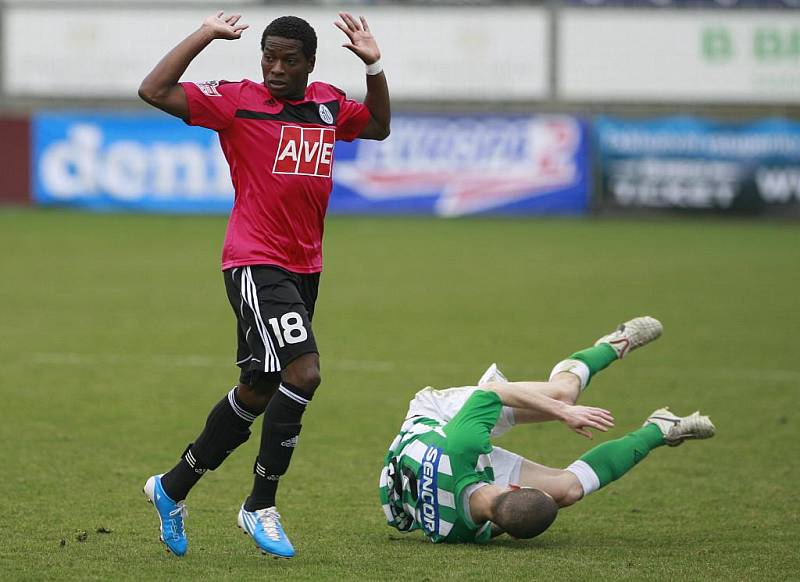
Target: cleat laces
269 520
175 521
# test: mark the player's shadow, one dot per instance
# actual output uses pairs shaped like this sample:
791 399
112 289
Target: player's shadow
544 543
527 545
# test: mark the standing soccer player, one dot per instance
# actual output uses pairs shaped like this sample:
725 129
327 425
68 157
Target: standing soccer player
278 137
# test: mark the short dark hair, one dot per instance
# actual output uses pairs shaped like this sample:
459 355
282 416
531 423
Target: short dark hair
524 513
295 28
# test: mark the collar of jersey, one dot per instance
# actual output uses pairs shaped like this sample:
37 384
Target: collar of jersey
282 101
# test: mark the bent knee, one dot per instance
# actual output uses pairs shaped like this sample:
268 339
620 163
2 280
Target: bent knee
571 494
308 382
255 398
304 374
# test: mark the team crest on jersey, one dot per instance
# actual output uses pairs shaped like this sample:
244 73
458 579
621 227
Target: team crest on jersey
306 151
325 114
209 88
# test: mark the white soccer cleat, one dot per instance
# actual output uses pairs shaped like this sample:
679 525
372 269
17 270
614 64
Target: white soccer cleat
632 334
677 429
492 374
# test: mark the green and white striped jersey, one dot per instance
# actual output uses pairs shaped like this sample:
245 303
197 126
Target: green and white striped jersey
429 465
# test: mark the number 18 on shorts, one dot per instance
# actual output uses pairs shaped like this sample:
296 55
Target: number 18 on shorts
273 310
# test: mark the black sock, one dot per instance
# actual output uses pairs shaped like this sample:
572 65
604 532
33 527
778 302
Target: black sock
182 477
227 427
278 441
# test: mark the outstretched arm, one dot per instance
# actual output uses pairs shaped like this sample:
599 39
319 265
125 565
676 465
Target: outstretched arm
526 396
362 43
160 88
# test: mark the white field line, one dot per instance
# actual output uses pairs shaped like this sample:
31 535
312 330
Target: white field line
183 361
386 367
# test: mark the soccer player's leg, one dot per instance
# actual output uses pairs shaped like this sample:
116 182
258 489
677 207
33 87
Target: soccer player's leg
629 336
611 460
534 513
284 305
561 485
571 376
227 426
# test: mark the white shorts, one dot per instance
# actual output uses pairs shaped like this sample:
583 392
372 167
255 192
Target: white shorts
443 405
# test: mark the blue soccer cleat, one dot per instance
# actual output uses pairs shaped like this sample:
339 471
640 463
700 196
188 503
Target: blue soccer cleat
170 514
264 526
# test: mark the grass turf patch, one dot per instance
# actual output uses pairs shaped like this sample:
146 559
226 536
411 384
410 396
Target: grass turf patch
116 339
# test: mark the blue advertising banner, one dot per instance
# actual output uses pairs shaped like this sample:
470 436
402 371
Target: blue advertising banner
443 165
136 161
690 163
457 165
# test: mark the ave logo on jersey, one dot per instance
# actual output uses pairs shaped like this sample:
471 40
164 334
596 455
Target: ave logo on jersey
305 151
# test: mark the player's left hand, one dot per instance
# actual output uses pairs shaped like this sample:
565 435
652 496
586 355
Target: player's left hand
582 418
362 43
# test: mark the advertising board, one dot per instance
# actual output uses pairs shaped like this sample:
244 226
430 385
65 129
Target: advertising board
143 162
431 164
696 164
456 165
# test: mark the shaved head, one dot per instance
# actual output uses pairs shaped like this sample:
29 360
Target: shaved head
524 513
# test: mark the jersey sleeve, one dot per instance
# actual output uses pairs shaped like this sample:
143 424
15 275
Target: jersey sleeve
470 428
352 119
212 104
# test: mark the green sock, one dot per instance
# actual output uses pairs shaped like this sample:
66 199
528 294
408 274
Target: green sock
596 358
613 459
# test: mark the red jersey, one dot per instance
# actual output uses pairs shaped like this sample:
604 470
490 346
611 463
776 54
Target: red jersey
280 155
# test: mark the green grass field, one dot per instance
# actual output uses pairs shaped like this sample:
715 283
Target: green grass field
116 339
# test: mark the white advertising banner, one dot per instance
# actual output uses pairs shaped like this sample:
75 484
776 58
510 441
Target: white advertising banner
710 56
428 53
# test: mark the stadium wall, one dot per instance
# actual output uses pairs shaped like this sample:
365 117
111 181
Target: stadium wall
466 54
679 56
518 56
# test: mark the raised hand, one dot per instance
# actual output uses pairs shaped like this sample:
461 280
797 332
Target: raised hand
361 41
224 27
582 418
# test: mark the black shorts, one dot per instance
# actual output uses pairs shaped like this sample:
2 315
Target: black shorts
273 310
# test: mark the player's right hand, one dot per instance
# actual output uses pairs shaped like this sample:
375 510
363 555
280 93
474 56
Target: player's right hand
582 418
224 27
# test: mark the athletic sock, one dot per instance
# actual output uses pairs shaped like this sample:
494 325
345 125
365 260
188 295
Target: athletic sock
178 481
596 357
611 460
227 427
278 441
586 363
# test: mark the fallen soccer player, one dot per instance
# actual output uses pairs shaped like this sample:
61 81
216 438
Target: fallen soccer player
443 476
